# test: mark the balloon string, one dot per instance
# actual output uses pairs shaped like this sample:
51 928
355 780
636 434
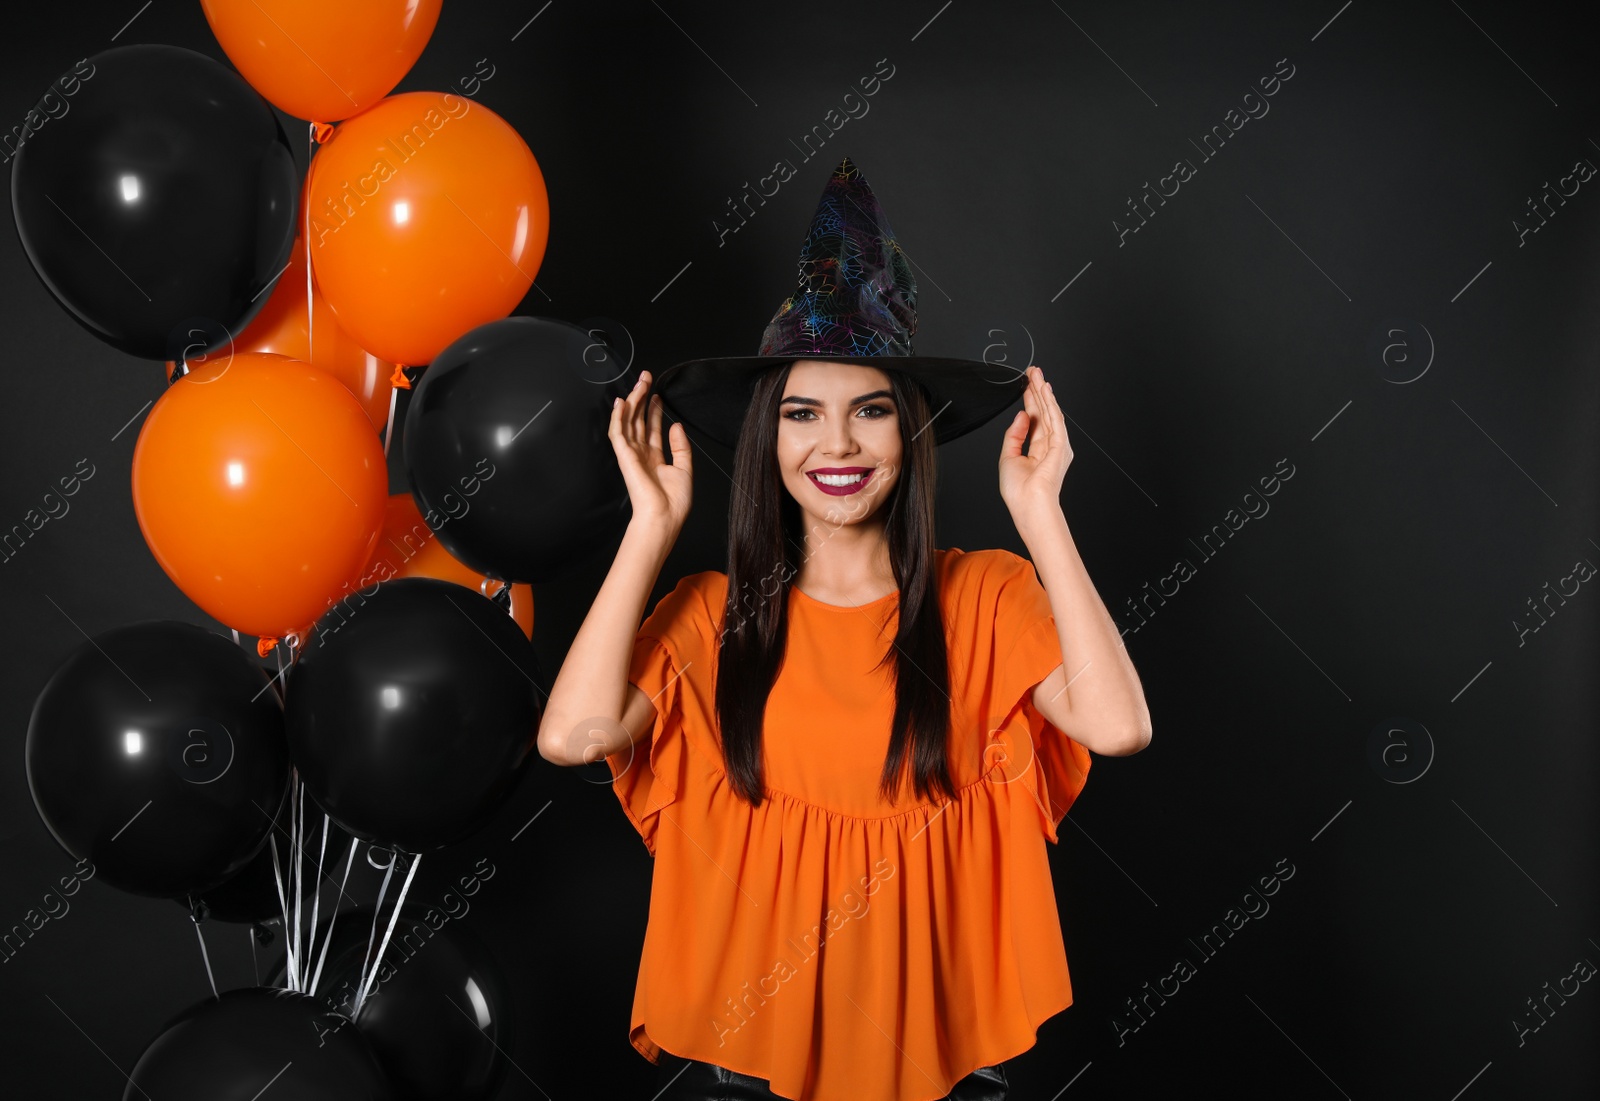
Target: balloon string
372 934
283 906
204 955
333 917
388 429
311 345
394 916
299 847
255 965
265 646
316 897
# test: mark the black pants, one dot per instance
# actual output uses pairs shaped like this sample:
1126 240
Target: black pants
683 1079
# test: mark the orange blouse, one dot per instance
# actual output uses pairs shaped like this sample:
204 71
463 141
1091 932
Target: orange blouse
835 944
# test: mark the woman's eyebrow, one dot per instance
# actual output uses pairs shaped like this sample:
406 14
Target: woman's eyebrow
853 401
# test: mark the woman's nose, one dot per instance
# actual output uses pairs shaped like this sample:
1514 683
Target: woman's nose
841 441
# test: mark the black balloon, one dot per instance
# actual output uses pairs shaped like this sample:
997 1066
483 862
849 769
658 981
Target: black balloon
156 195
412 716
506 447
156 751
238 1045
438 1011
251 896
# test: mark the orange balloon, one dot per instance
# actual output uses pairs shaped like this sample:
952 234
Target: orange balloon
428 218
407 548
323 60
280 328
522 607
260 488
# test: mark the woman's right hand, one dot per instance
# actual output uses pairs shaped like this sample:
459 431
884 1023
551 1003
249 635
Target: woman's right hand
660 492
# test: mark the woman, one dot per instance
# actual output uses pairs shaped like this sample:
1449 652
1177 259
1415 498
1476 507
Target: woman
847 753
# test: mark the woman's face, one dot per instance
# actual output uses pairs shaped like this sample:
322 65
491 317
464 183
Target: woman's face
838 440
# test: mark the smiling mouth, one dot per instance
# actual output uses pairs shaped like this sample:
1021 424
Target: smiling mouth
840 485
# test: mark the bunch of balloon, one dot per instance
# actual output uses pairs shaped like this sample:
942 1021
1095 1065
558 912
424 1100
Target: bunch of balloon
160 212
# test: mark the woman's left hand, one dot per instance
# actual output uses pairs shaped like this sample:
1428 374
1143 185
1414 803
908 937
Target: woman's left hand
1030 484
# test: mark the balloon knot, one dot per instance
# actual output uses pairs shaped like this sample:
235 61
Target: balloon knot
264 646
321 132
399 380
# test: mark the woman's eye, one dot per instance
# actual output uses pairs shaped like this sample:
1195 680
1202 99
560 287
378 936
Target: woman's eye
878 411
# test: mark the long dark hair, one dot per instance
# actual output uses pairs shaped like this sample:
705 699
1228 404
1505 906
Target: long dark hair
765 547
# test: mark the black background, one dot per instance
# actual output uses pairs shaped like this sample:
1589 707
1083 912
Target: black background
1244 325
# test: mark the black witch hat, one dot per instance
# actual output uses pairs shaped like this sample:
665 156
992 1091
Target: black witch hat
857 303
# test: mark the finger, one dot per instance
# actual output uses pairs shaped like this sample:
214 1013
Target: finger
627 457
678 440
1011 443
639 415
1043 434
655 426
1047 416
631 407
1064 441
1046 391
1058 419
636 400
619 421
1030 402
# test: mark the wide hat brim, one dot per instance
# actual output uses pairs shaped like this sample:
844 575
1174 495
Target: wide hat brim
711 395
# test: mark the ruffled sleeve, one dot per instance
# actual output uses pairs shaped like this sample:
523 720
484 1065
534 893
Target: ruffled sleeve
648 775
1053 765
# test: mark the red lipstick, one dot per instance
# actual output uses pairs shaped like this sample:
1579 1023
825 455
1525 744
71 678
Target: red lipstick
844 473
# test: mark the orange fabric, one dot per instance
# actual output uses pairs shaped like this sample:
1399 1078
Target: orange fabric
832 943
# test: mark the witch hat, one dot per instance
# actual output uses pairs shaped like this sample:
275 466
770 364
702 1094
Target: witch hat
856 302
